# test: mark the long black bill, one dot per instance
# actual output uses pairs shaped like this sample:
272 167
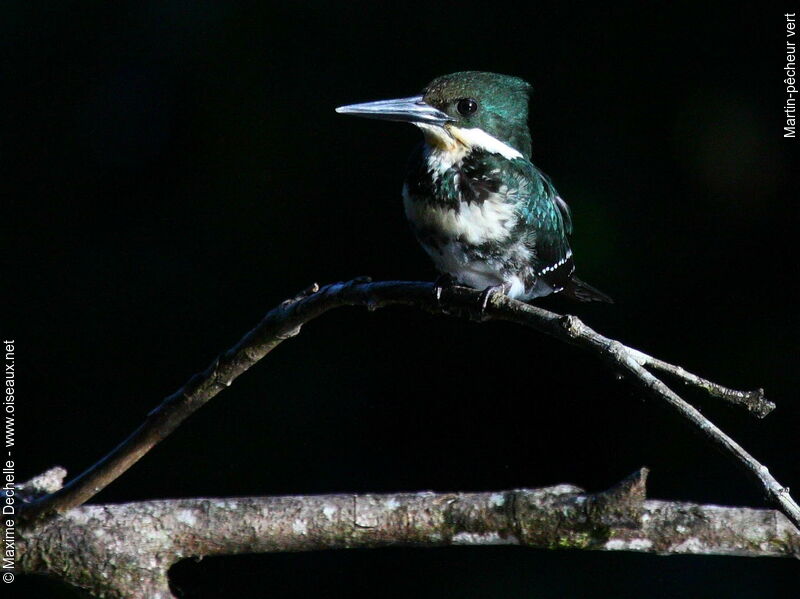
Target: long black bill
407 110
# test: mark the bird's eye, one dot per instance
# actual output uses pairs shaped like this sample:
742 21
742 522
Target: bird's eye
467 106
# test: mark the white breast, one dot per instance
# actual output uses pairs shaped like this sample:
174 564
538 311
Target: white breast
475 223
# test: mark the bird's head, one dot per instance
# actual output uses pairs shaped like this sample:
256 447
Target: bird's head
463 112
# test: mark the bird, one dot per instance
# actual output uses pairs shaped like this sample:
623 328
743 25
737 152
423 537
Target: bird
488 218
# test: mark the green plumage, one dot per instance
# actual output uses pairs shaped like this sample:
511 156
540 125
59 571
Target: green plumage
475 201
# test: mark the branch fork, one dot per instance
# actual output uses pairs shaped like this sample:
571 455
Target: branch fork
620 517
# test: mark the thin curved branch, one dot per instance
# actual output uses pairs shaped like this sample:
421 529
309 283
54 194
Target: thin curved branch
284 322
753 401
91 546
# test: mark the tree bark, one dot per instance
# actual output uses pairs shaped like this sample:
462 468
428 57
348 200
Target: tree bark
126 550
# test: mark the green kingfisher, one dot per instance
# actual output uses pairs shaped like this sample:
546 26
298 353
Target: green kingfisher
484 213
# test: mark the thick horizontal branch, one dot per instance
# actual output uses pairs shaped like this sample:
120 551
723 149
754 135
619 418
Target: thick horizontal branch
285 321
125 550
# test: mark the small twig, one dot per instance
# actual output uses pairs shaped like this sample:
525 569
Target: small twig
626 358
753 401
285 321
125 550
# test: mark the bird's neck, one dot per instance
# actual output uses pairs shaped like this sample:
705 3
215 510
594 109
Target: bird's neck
450 179
457 165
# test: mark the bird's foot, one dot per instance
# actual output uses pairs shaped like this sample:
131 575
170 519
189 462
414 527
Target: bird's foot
442 281
487 294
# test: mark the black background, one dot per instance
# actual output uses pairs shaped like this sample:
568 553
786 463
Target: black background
174 169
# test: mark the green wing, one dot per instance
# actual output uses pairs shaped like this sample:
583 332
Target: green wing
546 220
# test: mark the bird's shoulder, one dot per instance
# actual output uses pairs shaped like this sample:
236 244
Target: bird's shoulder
544 218
540 205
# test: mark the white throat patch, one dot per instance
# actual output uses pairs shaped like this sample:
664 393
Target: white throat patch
479 139
447 146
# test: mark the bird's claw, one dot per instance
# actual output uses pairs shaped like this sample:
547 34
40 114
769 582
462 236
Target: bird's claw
442 281
486 295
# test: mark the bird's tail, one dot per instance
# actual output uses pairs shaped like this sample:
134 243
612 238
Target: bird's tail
583 292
